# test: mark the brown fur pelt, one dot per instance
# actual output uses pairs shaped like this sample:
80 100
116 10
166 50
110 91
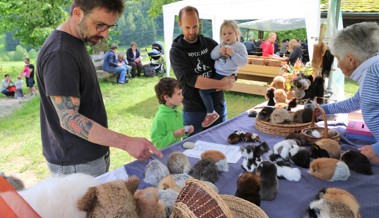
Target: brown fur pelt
148 203
336 203
213 155
248 187
278 83
318 54
280 96
323 168
280 116
331 146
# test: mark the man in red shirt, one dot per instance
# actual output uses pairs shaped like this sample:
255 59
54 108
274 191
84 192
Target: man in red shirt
268 45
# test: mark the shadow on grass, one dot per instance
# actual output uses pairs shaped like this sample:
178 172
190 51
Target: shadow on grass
146 108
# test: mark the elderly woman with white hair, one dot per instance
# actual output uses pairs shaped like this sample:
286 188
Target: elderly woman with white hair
357 51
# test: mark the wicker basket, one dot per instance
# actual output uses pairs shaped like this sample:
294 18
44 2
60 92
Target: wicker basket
280 129
199 200
322 130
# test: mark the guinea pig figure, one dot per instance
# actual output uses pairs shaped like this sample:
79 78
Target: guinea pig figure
268 180
331 146
357 162
333 203
218 158
248 188
205 170
265 113
329 169
178 163
279 116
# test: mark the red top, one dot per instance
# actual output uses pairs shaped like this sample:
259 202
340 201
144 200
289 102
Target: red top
267 48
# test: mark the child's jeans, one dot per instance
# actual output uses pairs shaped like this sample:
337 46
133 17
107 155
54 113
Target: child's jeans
206 95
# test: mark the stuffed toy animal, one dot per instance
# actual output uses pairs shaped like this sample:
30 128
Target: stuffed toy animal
149 204
58 196
174 182
280 116
154 172
267 173
248 187
112 199
334 202
15 182
218 158
329 169
357 162
265 114
278 82
331 146
270 96
205 170
178 163
252 155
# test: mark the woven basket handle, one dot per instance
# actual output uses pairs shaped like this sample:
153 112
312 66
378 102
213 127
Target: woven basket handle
317 111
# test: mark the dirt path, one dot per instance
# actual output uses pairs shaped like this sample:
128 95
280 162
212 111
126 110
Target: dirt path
7 105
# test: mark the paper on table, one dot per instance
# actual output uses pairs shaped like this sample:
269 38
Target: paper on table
232 153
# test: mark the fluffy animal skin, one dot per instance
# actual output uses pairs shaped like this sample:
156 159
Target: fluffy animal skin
242 136
248 187
218 158
287 172
309 104
278 82
329 169
301 139
174 182
15 182
286 148
250 137
357 162
267 172
265 113
317 152
331 146
334 203
168 197
299 93
149 204
178 163
279 116
205 170
313 133
155 171
302 158
270 96
280 96
234 138
112 199
303 116
58 196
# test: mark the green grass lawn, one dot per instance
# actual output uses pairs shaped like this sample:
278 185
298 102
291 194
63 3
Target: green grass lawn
130 109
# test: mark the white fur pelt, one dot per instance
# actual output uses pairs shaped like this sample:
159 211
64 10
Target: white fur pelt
286 148
289 173
57 196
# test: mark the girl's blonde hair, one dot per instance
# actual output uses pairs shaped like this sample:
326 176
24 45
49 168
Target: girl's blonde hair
232 24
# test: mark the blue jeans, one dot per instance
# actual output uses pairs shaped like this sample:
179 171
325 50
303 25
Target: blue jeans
197 117
206 96
122 71
93 168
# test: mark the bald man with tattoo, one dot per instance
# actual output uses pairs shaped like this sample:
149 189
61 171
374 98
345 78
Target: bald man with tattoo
74 128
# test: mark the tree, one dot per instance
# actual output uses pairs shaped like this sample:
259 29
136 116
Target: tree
156 7
33 20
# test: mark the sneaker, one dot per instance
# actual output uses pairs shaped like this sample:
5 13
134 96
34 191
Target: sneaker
210 119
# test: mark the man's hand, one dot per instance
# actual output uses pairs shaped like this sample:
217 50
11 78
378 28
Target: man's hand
228 82
141 148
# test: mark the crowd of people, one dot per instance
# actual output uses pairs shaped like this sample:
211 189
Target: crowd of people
74 125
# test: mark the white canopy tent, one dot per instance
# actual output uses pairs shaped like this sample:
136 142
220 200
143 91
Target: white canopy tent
220 10
274 25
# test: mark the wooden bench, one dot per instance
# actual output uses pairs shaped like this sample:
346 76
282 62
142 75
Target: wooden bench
258 69
98 61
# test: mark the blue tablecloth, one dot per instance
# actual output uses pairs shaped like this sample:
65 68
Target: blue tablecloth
293 197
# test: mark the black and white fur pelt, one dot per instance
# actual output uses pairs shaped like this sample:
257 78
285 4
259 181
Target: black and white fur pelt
252 155
286 148
265 113
285 169
357 162
302 140
267 172
270 96
317 152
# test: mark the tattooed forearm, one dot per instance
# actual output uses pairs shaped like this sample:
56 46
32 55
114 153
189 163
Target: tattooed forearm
67 109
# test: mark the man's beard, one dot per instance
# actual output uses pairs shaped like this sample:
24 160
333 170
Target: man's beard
89 40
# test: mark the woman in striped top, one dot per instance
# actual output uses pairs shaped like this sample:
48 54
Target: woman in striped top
357 51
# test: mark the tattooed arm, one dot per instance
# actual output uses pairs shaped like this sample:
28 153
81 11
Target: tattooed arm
71 120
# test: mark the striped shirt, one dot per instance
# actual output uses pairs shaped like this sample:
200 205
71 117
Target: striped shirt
367 101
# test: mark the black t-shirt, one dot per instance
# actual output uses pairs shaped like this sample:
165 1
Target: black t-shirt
31 66
66 69
190 60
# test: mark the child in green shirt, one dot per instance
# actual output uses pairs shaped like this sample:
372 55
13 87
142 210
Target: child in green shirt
167 125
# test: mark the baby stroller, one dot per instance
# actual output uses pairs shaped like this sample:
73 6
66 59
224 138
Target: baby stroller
156 66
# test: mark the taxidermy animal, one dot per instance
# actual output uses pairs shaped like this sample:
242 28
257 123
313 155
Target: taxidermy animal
248 187
268 180
218 158
357 162
178 163
154 172
333 203
329 169
205 170
331 146
270 96
252 155
265 113
280 115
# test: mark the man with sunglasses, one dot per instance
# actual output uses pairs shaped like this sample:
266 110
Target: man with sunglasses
74 131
